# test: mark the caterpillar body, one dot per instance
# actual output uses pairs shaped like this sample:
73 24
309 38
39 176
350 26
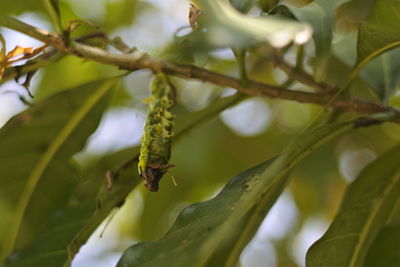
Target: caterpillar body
155 150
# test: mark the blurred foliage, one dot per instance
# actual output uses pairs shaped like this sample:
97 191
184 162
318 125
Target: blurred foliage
385 248
204 233
320 14
375 37
368 204
21 6
69 117
354 44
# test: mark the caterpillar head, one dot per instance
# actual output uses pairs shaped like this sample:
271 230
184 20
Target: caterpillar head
153 175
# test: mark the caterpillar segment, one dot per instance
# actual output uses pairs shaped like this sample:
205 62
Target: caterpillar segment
155 150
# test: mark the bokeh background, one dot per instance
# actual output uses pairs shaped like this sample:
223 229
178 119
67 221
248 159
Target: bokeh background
254 130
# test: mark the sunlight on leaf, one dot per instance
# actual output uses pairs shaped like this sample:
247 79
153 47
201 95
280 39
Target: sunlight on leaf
227 27
320 14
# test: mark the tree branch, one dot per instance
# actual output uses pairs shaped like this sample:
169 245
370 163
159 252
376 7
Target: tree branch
39 34
39 62
140 60
301 76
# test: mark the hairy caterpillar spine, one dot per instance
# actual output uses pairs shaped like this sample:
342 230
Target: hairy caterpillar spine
155 151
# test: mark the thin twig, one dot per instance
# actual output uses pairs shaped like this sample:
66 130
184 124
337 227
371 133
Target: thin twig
32 65
141 60
302 76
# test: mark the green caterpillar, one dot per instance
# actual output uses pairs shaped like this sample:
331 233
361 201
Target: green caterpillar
155 151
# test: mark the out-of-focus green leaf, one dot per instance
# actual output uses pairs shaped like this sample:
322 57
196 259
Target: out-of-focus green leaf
385 250
382 73
374 76
338 72
125 11
125 178
18 7
228 27
282 10
69 72
298 3
380 33
203 228
366 208
36 150
320 14
351 13
267 5
189 48
90 203
54 11
243 5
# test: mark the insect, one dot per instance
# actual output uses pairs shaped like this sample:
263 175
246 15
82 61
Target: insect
194 14
155 151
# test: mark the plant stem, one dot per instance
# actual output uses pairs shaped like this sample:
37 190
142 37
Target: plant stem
139 60
32 65
301 76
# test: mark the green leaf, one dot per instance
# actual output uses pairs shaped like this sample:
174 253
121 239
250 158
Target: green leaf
366 207
54 11
202 229
126 11
198 218
36 147
320 14
351 13
382 73
190 48
267 5
385 249
298 3
379 34
243 5
282 10
18 7
87 208
338 74
228 27
92 201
